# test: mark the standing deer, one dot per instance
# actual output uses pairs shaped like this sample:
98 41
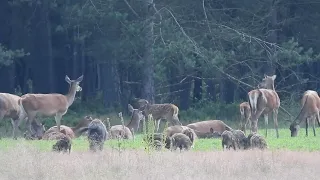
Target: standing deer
309 111
245 112
9 108
122 131
48 105
160 111
263 101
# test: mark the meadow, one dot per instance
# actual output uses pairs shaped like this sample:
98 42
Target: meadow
288 158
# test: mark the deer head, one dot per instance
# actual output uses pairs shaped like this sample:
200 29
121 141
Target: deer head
39 129
75 83
294 129
142 104
267 82
136 117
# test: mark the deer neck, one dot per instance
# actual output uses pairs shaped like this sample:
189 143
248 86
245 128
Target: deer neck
134 122
71 94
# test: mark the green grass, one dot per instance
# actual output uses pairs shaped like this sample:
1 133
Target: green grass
285 142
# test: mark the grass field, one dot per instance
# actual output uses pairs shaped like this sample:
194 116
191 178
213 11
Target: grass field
288 158
285 142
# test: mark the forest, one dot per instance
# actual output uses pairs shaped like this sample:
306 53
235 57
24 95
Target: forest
190 53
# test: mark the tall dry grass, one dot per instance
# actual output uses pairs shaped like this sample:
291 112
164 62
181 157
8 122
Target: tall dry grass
25 162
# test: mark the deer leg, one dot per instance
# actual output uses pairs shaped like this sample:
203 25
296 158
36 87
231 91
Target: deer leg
158 124
254 126
307 125
266 123
31 117
58 120
314 125
15 124
275 120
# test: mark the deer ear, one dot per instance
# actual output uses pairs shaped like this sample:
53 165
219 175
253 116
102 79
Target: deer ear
130 108
265 76
67 79
274 77
80 78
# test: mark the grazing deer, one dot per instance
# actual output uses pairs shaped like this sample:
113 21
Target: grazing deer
309 111
48 104
63 144
160 111
122 131
245 112
204 128
228 140
181 141
9 108
263 101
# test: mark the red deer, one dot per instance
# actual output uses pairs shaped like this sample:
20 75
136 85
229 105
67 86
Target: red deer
160 111
122 131
264 101
209 127
48 105
245 112
309 111
9 108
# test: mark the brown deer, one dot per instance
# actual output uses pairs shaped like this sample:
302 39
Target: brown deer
171 130
9 108
309 111
48 105
122 131
264 101
245 112
209 127
160 111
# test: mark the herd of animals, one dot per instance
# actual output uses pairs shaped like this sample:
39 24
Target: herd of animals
263 101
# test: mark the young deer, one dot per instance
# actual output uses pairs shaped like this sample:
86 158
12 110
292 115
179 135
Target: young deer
48 105
309 111
245 112
122 131
160 111
264 101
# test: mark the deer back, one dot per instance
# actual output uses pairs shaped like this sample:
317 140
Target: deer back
161 110
205 126
245 109
118 131
68 131
46 104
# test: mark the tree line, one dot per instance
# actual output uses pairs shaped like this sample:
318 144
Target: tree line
182 52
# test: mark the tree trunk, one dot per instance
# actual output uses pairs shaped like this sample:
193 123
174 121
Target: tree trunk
148 57
272 38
